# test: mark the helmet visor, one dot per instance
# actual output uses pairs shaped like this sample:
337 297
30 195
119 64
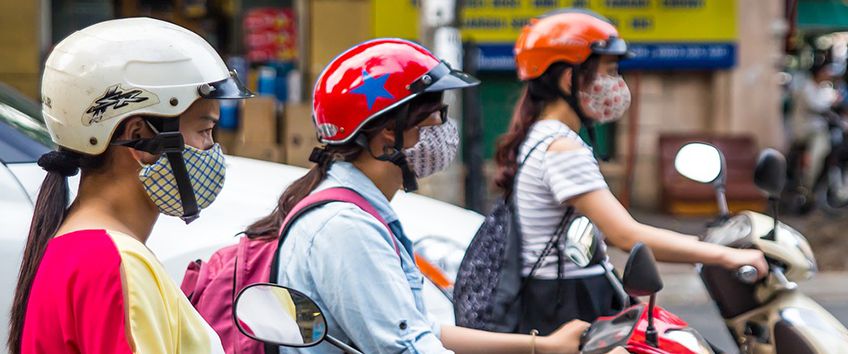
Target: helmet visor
442 78
229 88
613 46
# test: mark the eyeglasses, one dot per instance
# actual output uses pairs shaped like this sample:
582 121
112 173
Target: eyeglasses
443 113
425 118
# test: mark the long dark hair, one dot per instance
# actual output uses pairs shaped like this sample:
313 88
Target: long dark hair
50 210
537 93
420 108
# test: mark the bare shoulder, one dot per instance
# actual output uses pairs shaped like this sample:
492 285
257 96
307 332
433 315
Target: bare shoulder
565 144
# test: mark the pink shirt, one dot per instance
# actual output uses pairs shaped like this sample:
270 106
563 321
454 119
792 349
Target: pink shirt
81 302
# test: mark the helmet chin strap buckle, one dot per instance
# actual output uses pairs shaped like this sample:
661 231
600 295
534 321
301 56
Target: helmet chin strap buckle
189 218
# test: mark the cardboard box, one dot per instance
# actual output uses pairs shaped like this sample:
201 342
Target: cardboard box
258 121
299 135
335 26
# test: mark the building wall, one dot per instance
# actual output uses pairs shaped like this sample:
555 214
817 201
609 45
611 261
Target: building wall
744 100
20 41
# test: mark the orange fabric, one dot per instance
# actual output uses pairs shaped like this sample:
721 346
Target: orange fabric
432 272
564 37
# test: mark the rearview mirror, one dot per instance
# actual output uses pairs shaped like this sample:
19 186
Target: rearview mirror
699 162
580 241
770 172
280 316
641 277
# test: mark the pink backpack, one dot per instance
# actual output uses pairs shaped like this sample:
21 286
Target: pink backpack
212 286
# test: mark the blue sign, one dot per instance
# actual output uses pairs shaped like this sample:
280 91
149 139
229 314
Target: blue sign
646 56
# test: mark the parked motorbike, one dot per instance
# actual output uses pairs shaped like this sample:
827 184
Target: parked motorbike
769 315
640 328
830 190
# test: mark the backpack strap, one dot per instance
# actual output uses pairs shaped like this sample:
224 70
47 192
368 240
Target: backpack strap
314 200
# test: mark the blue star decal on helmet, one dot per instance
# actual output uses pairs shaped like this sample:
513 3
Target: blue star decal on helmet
373 88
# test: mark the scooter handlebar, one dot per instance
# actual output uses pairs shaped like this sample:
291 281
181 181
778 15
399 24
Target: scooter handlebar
747 274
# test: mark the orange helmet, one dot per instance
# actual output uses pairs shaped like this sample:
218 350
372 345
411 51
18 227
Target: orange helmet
570 36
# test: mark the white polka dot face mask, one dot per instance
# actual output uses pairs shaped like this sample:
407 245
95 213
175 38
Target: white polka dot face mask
606 99
435 150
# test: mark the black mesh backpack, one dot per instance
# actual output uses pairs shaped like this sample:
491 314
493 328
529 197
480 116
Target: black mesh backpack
488 283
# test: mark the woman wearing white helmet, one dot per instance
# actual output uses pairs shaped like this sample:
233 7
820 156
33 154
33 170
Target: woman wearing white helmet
131 103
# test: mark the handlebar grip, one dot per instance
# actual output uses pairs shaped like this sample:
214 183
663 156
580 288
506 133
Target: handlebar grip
747 274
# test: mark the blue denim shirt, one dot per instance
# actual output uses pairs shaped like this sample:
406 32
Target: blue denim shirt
344 259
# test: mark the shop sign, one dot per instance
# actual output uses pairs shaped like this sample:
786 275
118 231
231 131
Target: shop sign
665 34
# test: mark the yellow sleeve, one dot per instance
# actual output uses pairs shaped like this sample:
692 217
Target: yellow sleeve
160 318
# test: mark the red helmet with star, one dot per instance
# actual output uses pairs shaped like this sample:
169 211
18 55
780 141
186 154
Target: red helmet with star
371 79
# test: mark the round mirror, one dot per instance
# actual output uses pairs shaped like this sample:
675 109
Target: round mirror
580 241
278 315
699 162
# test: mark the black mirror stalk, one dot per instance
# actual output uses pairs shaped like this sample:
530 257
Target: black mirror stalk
651 332
773 203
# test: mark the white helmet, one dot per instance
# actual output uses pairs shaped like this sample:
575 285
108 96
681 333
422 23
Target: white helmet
104 73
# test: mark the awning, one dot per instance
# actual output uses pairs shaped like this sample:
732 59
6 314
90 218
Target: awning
822 15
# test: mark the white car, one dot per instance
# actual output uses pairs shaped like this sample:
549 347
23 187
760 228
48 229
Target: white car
251 191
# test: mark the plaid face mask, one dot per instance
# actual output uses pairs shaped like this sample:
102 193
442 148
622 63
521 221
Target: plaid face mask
205 169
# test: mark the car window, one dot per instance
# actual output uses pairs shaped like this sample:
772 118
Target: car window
18 147
23 136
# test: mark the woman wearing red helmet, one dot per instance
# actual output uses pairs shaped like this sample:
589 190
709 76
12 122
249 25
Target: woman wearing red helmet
569 63
379 113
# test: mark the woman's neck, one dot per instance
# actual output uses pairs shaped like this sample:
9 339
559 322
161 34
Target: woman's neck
112 203
561 111
385 175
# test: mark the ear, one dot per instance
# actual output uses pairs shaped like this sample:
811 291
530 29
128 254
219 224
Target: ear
565 81
382 140
136 128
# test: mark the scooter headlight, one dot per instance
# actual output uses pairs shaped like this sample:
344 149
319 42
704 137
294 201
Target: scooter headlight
798 241
690 339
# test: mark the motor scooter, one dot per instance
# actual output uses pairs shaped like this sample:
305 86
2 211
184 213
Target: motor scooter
640 327
769 315
280 316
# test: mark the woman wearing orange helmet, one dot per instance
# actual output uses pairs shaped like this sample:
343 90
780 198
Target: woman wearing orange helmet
569 63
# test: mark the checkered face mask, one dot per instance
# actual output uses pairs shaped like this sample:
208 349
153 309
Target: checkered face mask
205 169
435 150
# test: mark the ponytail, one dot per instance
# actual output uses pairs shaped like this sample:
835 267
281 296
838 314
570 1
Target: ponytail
49 213
269 225
50 208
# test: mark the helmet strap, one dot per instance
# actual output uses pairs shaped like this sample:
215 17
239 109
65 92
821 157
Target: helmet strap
574 102
395 154
170 142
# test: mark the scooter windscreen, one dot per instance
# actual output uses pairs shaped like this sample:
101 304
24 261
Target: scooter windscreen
603 336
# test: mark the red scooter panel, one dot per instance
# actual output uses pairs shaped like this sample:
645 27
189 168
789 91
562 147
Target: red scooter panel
628 329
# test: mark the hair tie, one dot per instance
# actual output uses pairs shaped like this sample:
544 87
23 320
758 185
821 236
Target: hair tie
61 162
320 156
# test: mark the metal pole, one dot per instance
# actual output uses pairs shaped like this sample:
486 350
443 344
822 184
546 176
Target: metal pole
472 136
